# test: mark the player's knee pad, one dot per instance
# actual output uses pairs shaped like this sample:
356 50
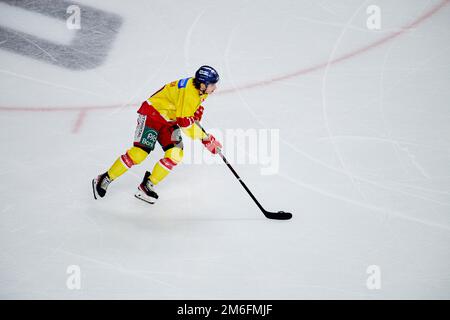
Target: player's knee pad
175 154
134 156
172 157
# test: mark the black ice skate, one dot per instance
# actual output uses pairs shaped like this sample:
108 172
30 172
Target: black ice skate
146 190
100 184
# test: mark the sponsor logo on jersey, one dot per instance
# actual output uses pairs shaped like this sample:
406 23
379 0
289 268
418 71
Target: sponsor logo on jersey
182 83
149 138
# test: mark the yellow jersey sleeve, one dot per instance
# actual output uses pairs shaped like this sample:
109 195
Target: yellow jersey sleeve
194 132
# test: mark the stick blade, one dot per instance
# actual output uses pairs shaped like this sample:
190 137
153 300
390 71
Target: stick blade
280 215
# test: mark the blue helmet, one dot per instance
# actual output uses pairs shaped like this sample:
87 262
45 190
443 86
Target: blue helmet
206 75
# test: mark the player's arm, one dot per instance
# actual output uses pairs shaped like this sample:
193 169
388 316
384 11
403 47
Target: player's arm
187 124
195 132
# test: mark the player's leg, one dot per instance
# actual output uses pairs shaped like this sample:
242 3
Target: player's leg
170 140
164 166
144 143
133 156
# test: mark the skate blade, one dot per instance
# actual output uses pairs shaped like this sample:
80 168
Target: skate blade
94 189
142 196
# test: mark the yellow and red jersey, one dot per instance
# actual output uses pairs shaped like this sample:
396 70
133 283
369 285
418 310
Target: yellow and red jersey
179 98
174 100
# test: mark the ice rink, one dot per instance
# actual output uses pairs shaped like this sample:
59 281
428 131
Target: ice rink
358 107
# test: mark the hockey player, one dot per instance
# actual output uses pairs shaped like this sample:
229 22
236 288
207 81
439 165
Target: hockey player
176 106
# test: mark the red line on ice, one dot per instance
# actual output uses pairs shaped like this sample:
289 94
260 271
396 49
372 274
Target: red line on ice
79 121
83 110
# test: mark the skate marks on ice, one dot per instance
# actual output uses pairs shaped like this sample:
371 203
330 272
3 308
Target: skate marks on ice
88 47
332 60
345 170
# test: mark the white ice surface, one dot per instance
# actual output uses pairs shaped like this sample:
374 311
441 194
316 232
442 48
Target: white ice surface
364 158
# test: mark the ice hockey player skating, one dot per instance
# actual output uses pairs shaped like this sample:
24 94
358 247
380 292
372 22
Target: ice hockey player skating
176 106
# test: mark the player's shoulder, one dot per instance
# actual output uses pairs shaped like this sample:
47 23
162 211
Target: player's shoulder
183 83
180 83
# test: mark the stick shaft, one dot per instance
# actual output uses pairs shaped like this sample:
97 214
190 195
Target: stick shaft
240 180
235 174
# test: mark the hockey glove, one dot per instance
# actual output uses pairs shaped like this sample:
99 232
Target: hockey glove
212 144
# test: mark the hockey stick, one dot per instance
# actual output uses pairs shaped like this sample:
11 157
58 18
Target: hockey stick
280 215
